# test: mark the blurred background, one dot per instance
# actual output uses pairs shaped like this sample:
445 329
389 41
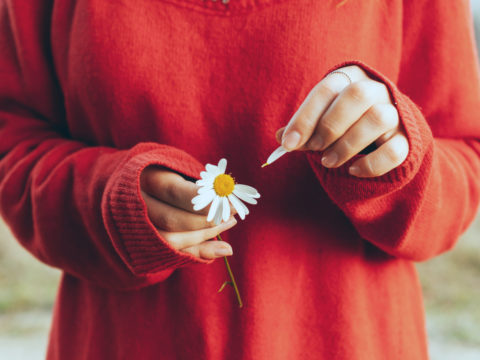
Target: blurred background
451 285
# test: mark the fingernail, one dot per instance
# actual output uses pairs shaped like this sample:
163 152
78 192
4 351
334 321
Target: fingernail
330 159
354 170
291 140
232 221
223 251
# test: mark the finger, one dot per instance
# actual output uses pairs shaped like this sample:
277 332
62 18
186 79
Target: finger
209 250
377 121
387 157
347 108
172 219
388 135
184 239
303 123
279 134
170 188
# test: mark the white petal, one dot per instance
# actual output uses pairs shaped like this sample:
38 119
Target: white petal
226 209
213 208
239 206
205 188
244 196
212 169
244 207
222 165
197 198
280 151
248 190
203 200
217 220
205 182
206 175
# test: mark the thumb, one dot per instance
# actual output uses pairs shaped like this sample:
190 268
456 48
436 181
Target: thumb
279 134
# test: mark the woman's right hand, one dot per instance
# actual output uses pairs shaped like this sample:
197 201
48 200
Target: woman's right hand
168 197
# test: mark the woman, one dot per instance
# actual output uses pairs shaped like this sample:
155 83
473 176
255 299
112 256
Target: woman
110 109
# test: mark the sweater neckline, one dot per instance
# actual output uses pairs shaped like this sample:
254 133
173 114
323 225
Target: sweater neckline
223 7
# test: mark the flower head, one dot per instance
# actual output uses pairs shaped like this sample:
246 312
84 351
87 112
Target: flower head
220 189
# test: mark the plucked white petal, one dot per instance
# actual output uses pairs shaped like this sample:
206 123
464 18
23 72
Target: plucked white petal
213 208
238 205
222 165
248 190
226 209
244 196
280 151
217 220
202 200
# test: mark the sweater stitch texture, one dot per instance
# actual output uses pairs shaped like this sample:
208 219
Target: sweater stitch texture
92 92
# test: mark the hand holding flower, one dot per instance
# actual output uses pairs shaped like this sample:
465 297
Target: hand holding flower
168 196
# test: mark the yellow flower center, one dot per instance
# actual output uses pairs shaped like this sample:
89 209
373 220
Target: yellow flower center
223 185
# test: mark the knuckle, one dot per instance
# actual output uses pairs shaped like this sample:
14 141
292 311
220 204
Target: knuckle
169 221
356 71
307 121
345 147
381 88
360 91
327 88
354 68
390 116
171 192
329 130
377 117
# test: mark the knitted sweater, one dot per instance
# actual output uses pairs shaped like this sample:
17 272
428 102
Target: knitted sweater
92 92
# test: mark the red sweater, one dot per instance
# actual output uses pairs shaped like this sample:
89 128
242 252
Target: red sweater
91 92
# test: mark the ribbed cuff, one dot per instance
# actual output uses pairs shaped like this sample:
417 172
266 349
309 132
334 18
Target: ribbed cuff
420 140
135 238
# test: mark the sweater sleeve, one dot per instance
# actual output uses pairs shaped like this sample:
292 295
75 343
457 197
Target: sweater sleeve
73 206
419 209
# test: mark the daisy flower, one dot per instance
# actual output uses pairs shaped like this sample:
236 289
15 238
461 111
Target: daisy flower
220 190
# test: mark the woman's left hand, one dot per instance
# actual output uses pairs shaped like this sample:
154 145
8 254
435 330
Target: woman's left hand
341 116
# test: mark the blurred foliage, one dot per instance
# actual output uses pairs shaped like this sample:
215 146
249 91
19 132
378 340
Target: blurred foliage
451 285
25 282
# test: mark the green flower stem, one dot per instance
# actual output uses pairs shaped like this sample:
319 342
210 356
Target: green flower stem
230 273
